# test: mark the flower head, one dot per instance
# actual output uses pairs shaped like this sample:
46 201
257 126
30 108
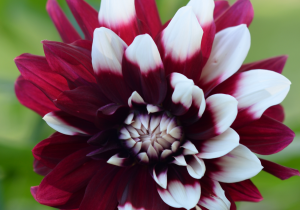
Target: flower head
150 116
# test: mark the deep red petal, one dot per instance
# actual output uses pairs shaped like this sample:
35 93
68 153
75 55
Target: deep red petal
279 171
66 30
82 102
147 12
266 136
243 191
72 62
274 64
57 147
138 189
36 70
32 97
40 168
86 17
220 7
241 12
275 112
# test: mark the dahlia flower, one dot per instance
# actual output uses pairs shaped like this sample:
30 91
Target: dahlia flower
151 116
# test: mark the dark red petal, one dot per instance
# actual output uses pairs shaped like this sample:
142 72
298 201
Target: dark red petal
68 181
70 61
111 115
220 7
82 102
147 12
32 97
207 42
138 190
86 17
40 168
279 171
106 151
266 136
241 12
66 30
103 136
36 70
274 64
243 191
276 112
57 147
101 193
71 121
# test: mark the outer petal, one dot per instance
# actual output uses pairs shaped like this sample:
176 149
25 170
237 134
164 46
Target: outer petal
82 102
68 124
40 168
220 113
107 54
273 64
229 51
36 70
180 44
101 192
266 136
147 13
120 17
66 30
240 164
204 10
220 7
145 196
279 171
256 91
66 181
57 147
275 112
182 191
86 17
241 12
213 196
143 69
72 62
32 97
218 146
244 191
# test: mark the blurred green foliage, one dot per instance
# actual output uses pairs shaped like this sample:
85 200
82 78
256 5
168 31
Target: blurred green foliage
24 23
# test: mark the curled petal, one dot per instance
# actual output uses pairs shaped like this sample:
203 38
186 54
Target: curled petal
240 164
229 51
120 160
107 54
159 174
195 166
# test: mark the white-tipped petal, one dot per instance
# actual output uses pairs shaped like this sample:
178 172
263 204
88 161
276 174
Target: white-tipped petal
129 119
189 148
117 160
160 176
179 160
143 157
204 10
195 167
135 98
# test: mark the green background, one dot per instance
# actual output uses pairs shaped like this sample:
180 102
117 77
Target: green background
24 23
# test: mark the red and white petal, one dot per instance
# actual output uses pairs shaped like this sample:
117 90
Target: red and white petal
241 12
68 124
189 148
86 17
120 160
120 17
213 196
256 91
66 30
135 99
159 174
180 44
273 64
182 190
153 109
279 171
221 111
204 10
266 136
238 165
143 69
218 146
107 54
195 166
179 160
229 51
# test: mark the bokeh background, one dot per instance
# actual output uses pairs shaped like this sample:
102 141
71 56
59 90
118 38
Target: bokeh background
24 23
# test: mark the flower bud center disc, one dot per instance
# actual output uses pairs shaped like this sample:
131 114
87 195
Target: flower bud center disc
151 136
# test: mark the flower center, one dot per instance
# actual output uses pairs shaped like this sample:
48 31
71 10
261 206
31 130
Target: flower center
151 137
